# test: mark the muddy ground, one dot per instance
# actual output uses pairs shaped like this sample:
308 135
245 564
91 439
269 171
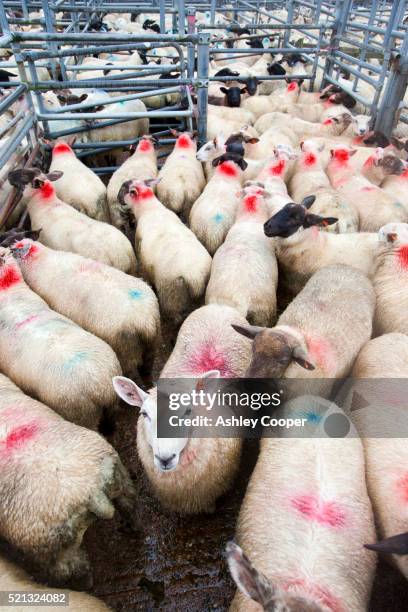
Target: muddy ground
175 563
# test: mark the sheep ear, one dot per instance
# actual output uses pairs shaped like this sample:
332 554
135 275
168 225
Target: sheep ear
395 545
200 384
397 142
392 236
22 176
152 181
54 176
301 144
128 391
352 152
308 201
311 220
249 331
251 140
302 358
254 585
224 90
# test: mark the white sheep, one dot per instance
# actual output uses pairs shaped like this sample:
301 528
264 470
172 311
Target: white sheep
244 272
120 309
381 401
397 186
333 126
49 356
213 213
66 229
140 166
78 185
375 207
189 474
261 105
236 115
55 479
304 524
174 260
181 177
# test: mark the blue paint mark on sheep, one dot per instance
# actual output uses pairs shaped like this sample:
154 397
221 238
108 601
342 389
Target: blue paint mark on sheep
218 217
76 359
135 294
311 417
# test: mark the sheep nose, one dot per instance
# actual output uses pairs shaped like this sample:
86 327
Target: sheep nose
164 461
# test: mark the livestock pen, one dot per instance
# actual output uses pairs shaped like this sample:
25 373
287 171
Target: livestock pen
209 100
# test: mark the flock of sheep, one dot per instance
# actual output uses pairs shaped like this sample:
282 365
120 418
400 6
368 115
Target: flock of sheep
293 206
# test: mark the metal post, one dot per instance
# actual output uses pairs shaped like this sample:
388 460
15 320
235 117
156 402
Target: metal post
212 12
162 6
203 56
290 20
191 25
181 17
394 92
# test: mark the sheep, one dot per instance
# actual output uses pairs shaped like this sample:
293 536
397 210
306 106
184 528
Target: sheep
66 229
305 533
261 105
380 416
78 185
390 277
325 345
244 272
120 309
49 356
273 137
231 99
13 578
375 207
333 126
396 185
181 177
382 164
55 478
140 166
122 130
302 253
227 127
237 115
189 474
213 213
175 262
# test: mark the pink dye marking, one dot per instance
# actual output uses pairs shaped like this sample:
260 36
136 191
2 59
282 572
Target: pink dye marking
33 250
358 140
402 255
368 188
183 142
187 456
322 354
61 147
278 168
208 357
327 122
90 266
369 162
143 193
17 438
314 592
309 159
292 86
404 175
228 168
328 103
9 276
342 156
327 513
47 191
26 321
144 146
251 203
315 232
402 487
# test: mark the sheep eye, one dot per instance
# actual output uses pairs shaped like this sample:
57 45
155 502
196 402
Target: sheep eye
144 414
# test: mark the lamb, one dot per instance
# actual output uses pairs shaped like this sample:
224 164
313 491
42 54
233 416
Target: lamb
391 280
120 309
305 534
271 139
375 207
78 185
227 127
13 578
237 115
189 474
396 185
56 360
302 253
66 229
333 126
121 130
140 166
324 344
382 164
175 262
244 272
382 366
213 213
181 177
55 478
261 105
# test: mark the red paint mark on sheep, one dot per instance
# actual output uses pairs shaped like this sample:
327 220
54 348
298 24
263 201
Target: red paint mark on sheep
184 142
328 103
369 162
32 250
228 169
144 146
404 175
9 277
277 169
292 87
309 159
402 255
143 193
251 203
47 191
322 354
358 140
368 188
208 357
17 438
26 321
402 487
327 121
300 586
61 147
328 513
342 156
